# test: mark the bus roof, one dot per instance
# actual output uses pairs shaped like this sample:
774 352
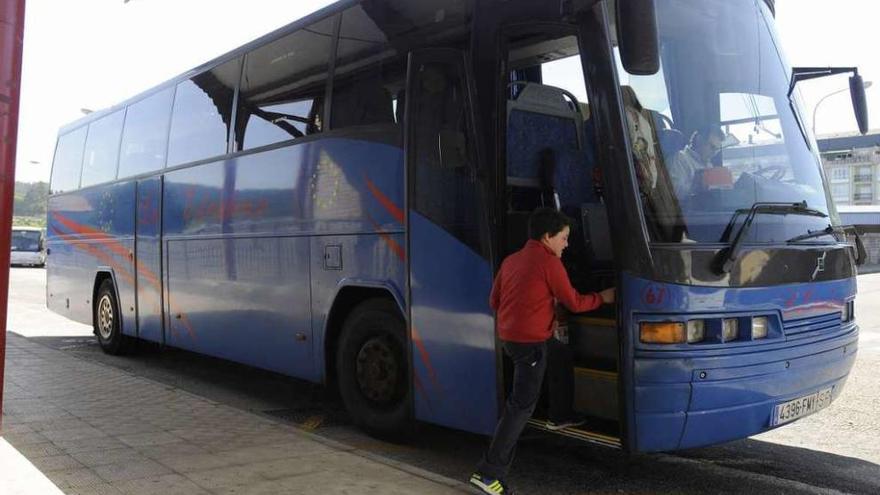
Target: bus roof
316 16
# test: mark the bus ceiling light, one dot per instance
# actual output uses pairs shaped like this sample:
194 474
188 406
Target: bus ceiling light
729 329
696 331
760 327
666 332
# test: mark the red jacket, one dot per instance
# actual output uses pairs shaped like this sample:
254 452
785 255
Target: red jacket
530 281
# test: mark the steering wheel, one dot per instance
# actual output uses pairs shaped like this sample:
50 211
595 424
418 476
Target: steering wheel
772 172
666 120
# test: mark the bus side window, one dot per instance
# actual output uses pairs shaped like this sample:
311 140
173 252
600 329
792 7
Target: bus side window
102 149
145 134
368 76
283 87
445 186
202 114
67 165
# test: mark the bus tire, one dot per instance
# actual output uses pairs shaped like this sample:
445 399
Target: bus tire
106 321
372 370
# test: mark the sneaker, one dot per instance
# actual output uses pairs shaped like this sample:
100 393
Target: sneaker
563 424
491 486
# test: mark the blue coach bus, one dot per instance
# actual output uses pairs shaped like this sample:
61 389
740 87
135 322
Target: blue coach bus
330 202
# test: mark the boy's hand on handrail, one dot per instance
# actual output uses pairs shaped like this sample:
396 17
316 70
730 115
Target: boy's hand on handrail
608 296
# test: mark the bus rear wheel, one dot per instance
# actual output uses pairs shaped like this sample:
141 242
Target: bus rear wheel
106 321
372 370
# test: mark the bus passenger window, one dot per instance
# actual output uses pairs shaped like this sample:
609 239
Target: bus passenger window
369 74
445 186
283 87
67 164
202 114
145 135
102 149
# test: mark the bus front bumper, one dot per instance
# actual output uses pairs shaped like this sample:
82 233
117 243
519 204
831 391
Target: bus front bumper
720 404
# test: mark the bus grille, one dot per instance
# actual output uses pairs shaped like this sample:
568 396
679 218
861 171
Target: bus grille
815 324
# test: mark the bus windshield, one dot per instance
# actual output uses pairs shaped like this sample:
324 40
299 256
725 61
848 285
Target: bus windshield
25 240
714 131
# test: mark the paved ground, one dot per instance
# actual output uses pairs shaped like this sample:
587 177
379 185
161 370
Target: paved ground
94 429
836 451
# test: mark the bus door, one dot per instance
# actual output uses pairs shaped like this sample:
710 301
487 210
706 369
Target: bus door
551 160
450 277
148 259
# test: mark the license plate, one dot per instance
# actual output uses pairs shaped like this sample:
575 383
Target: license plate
798 408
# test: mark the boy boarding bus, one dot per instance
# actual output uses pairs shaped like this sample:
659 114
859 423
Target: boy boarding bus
331 201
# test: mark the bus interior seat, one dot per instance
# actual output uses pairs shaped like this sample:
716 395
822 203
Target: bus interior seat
540 118
550 157
671 142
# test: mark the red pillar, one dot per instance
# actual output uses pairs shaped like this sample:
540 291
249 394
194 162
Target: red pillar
11 38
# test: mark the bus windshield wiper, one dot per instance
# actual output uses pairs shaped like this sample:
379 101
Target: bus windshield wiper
832 230
726 257
812 234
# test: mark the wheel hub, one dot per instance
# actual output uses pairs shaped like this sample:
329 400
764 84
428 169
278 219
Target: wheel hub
378 370
105 317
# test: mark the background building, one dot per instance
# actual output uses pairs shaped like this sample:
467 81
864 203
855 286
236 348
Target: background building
851 165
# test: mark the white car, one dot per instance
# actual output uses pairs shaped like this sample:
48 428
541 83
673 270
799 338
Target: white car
27 247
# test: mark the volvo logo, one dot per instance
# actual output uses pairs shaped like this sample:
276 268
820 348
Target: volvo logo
820 264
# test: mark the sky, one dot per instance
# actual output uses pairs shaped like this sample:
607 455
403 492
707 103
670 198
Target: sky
92 54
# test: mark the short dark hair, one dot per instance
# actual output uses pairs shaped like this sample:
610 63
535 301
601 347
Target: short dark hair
546 221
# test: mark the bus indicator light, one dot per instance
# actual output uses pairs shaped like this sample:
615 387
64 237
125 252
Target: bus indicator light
846 313
696 331
666 332
729 329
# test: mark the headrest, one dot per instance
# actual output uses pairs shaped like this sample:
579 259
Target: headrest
543 99
629 98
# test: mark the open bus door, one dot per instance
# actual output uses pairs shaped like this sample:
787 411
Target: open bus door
452 338
553 131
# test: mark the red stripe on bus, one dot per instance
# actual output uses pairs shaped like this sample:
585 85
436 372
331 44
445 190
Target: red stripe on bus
426 358
118 269
389 205
398 250
111 243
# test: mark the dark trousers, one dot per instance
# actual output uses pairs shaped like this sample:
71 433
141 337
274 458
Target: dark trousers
529 363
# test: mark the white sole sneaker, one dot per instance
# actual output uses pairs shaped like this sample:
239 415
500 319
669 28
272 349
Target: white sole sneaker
561 426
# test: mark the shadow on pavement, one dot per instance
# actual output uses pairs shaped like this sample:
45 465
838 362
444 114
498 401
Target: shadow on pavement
545 463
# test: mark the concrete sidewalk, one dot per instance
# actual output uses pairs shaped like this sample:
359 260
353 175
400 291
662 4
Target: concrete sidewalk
95 429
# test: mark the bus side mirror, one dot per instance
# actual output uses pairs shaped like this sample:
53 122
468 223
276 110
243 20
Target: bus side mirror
637 36
859 101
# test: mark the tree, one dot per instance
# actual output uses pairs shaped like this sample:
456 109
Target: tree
30 199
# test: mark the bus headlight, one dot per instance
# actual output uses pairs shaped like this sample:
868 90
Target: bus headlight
666 332
696 331
729 329
760 327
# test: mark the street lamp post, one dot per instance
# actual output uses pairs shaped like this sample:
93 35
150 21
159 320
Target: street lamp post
867 85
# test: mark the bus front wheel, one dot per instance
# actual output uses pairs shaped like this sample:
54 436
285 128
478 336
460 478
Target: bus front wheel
106 320
372 370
